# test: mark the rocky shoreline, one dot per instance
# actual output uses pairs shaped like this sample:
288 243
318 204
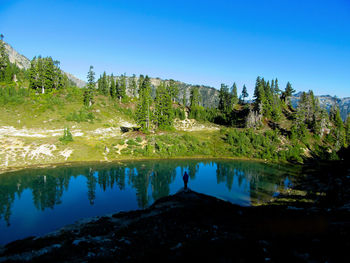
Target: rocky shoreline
189 226
310 223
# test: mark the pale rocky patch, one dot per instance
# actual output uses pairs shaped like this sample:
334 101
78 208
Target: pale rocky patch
42 150
66 153
193 125
119 148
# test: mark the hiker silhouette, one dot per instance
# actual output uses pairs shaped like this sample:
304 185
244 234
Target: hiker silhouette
185 178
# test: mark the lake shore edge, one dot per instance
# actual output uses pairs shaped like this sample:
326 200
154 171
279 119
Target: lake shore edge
190 225
128 159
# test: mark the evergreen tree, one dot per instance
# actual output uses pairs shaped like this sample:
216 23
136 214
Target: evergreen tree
173 90
89 92
60 80
338 130
49 73
273 86
347 130
33 75
195 97
184 99
45 74
268 105
112 87
195 108
4 60
225 100
259 95
276 87
121 92
244 93
287 92
41 71
276 111
143 112
133 86
164 114
234 94
140 81
310 115
104 84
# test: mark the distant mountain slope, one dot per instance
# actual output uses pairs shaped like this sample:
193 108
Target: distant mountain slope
23 62
327 101
210 95
16 58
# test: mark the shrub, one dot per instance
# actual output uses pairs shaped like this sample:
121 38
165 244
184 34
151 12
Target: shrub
67 136
9 94
131 142
83 115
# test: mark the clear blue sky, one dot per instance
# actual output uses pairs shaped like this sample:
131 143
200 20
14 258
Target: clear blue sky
306 42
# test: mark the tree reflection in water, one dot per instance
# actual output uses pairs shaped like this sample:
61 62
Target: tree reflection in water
150 179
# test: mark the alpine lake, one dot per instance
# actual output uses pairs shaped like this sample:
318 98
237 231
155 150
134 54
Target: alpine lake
41 200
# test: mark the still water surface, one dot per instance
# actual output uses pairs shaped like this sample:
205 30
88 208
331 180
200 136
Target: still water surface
38 201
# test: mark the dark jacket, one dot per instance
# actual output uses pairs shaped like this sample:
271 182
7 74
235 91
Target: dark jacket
185 177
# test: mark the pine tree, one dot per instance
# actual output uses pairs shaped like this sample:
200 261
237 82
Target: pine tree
58 79
48 73
4 60
244 93
269 102
164 114
133 86
339 131
112 87
347 130
273 86
121 93
234 94
104 84
45 74
259 95
89 92
184 99
276 111
143 112
287 92
173 90
195 108
276 87
195 97
41 70
222 98
140 81
33 74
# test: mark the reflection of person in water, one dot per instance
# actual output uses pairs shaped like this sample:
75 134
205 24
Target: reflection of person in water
185 178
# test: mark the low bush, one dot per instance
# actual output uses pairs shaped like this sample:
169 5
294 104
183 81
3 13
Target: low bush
67 136
83 115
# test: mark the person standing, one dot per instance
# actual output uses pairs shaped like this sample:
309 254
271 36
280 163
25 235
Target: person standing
185 178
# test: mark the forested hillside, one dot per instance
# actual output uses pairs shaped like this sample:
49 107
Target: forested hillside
166 118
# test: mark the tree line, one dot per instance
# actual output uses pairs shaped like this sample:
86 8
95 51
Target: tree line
158 107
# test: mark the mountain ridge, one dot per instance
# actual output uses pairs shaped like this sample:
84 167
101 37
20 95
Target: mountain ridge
210 95
24 63
326 102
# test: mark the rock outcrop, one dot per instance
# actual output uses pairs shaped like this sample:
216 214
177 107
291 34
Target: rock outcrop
16 58
24 63
327 101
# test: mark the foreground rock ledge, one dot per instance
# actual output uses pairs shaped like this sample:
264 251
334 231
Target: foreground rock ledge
189 226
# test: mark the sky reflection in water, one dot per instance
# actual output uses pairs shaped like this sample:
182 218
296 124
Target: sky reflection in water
38 201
